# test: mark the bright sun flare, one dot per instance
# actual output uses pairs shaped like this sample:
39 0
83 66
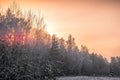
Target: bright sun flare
50 28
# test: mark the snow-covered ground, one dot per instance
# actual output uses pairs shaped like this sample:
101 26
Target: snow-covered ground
87 78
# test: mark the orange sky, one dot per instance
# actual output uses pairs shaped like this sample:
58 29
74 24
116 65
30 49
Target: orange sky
94 23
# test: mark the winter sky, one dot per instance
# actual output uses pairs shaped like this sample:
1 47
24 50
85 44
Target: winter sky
94 23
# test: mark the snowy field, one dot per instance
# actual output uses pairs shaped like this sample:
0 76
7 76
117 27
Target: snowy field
87 78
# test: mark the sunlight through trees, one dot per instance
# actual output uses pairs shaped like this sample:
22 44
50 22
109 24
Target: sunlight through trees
29 52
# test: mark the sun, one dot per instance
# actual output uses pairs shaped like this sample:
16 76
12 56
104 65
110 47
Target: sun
50 28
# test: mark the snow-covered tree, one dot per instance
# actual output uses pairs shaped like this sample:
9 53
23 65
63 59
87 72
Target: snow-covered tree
115 66
86 66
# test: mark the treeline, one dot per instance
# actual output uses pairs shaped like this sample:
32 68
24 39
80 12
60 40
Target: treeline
28 52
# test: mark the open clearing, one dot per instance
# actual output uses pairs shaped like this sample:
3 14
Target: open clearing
87 78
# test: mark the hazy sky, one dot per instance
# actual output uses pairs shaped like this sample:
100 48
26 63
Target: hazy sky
94 23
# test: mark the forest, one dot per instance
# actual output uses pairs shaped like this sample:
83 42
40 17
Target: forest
29 52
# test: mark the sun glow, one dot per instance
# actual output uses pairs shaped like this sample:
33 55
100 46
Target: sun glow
50 29
14 37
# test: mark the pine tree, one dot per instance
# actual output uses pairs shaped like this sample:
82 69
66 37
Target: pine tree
56 58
